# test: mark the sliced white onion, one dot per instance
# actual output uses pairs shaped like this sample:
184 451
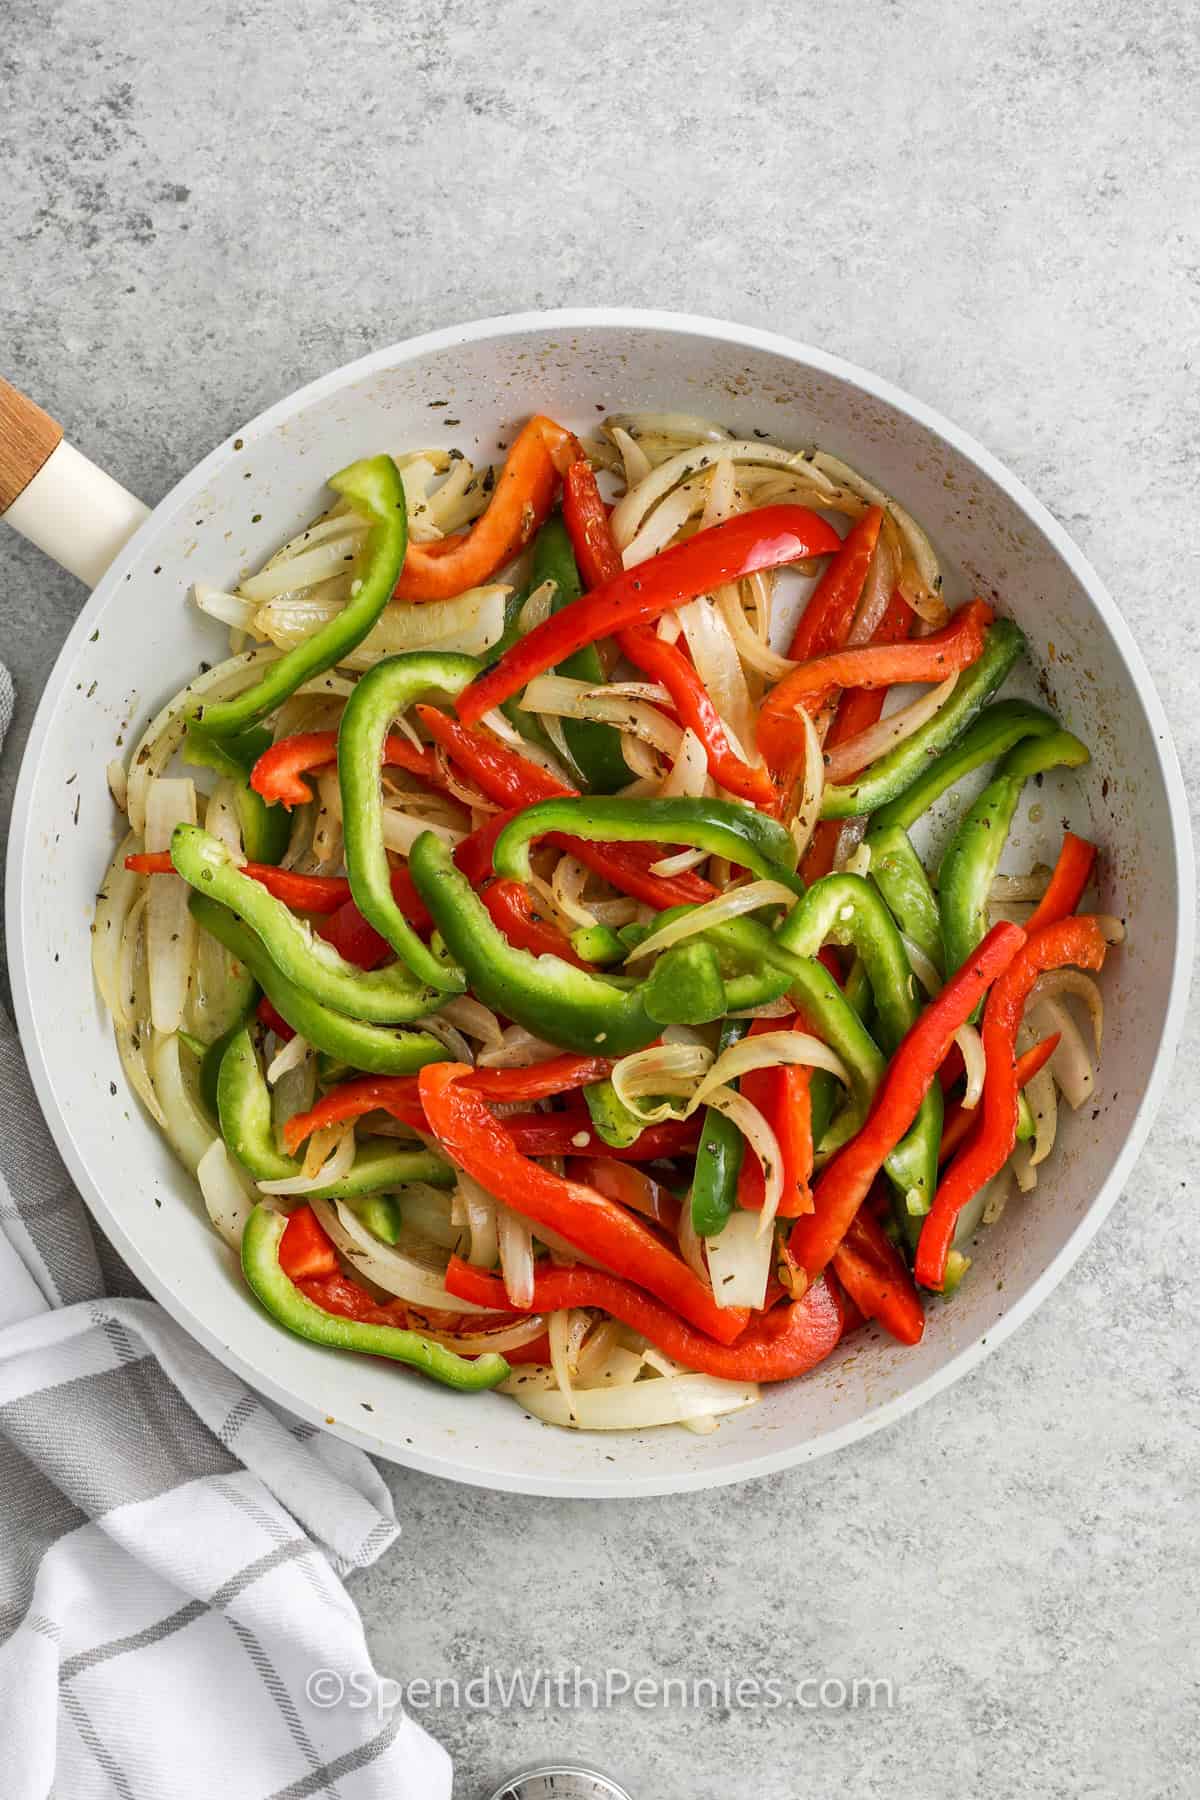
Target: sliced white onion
1072 981
474 1020
439 1026
755 652
637 1406
228 1197
629 512
605 1337
970 1045
860 862
924 593
334 555
1007 890
288 1056
1039 1091
496 722
538 606
689 428
482 1229
333 1168
119 891
688 775
293 1093
1070 1063
739 1261
680 863
469 624
849 838
221 817
425 1214
558 1328
170 927
769 1050
517 1049
336 523
761 1139
401 827
812 791
665 522
924 970
691 1244
230 609
569 881
403 1273
1026 1177
478 1343
854 753
516 1255
667 1068
636 463
730 905
562 696
186 1125
653 691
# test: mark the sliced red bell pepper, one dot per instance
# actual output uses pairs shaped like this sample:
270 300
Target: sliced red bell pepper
586 519
826 620
775 1346
305 1249
875 1276
265 1013
857 710
595 1225
1072 872
845 1182
400 1095
1078 941
501 774
667 663
336 1293
303 893
621 1181
782 1096
959 1119
520 502
955 647
511 907
742 545
277 773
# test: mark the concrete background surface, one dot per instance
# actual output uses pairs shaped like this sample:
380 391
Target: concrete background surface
997 208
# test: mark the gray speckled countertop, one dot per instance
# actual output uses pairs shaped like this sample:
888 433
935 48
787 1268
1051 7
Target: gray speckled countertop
996 207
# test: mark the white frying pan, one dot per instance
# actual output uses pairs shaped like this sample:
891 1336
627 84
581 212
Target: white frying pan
138 639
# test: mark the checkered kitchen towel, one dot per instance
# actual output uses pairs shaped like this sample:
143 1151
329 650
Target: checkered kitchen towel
168 1541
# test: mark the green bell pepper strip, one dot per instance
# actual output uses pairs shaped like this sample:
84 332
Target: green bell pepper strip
718 1155
899 874
612 1120
892 775
382 996
847 909
210 1067
372 1048
379 696
381 1214
748 980
265 829
373 487
293 1309
244 1110
571 1007
722 827
994 731
595 748
973 855
598 944
685 986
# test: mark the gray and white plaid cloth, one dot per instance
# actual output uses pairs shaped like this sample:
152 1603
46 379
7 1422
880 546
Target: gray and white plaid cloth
171 1619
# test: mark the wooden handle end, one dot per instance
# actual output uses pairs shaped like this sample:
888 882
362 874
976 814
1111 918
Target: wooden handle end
27 436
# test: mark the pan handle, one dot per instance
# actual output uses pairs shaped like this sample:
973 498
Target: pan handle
55 497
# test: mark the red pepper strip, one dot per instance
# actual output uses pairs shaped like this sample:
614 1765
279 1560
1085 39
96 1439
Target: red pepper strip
399 1094
858 709
641 1193
536 1352
570 1133
509 778
960 1119
304 1248
303 893
336 1293
740 546
276 774
520 502
844 1184
775 1346
782 1096
511 907
875 1275
586 519
273 1021
667 663
1072 872
956 646
599 562
597 1226
1079 941
498 772
825 622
